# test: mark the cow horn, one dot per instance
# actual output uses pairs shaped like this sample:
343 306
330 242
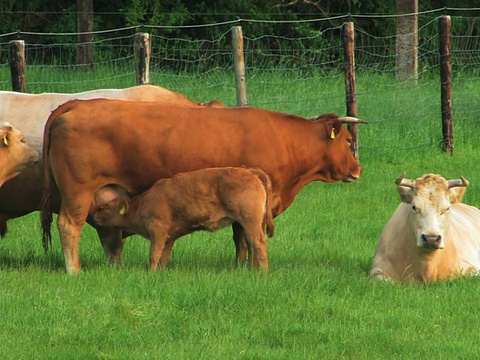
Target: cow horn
457 182
5 140
401 181
351 120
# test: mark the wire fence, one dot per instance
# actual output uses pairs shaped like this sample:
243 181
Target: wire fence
297 75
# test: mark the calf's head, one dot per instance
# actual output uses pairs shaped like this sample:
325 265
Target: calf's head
430 198
111 213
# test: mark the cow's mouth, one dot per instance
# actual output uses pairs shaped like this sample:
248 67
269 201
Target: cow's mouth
432 242
350 178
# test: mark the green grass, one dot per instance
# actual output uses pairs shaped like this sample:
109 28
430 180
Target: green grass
316 302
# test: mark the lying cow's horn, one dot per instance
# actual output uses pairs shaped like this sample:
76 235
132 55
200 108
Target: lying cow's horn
457 182
351 120
5 140
401 181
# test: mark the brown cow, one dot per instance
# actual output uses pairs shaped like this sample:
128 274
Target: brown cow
207 199
15 154
22 195
432 235
141 142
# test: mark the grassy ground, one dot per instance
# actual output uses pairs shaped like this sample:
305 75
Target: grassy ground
316 301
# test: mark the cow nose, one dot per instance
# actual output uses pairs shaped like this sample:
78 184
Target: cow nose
432 241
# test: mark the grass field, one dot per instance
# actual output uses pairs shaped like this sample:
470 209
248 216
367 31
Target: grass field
316 302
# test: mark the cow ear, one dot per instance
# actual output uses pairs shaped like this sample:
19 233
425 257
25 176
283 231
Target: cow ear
456 194
457 189
334 129
406 193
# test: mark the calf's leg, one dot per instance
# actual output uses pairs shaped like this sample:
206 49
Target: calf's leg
241 245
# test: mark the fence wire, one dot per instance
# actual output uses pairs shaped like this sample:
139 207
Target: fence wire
301 75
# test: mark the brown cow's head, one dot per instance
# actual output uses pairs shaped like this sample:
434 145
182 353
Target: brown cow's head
430 198
339 162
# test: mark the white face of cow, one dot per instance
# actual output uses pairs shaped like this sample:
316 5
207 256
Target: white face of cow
430 198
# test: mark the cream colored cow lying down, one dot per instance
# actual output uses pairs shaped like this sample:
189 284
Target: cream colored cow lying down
15 153
432 235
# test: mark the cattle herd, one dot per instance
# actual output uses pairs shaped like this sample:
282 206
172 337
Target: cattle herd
146 160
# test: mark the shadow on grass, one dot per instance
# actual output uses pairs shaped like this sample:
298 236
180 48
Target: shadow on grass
49 261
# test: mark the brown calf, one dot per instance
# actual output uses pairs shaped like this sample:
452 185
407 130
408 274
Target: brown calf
207 199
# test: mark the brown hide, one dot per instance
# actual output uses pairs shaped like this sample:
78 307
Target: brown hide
15 154
93 143
207 199
22 194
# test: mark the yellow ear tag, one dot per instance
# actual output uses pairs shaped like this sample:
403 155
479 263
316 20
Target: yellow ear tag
122 210
5 140
332 133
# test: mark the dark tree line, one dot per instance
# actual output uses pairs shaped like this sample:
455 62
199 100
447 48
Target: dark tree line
59 16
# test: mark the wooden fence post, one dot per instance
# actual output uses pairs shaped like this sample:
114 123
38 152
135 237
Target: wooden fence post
350 88
143 49
406 40
85 35
17 65
237 44
446 83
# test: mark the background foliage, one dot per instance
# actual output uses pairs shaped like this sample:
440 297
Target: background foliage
55 16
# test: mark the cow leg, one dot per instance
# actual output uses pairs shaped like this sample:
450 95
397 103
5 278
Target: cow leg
241 245
158 240
157 247
3 225
167 251
112 242
258 242
70 236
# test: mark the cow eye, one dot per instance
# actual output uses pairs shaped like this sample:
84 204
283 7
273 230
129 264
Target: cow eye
445 211
415 209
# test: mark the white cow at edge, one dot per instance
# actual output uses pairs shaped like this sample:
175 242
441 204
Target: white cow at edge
432 235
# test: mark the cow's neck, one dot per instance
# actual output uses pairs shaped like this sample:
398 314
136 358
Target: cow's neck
434 265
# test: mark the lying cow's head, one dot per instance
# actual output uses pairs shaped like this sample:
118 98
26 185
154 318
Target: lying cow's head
430 198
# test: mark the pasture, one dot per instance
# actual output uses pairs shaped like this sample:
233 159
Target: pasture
316 300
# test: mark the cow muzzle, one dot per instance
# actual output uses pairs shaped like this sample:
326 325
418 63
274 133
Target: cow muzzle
434 242
353 176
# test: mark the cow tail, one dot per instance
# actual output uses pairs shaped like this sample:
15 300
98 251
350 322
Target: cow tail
46 219
268 217
49 182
